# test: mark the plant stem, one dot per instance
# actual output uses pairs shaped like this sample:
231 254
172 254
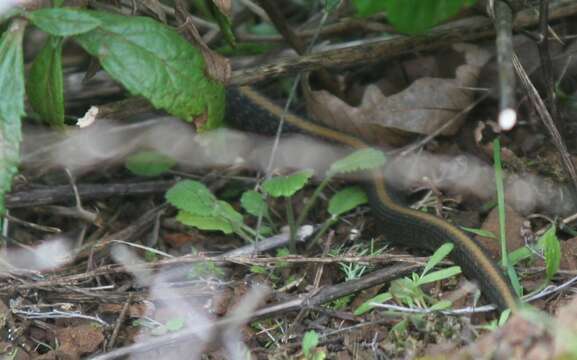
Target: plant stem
326 225
312 200
292 226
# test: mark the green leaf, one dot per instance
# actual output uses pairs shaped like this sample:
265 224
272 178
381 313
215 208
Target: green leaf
45 83
510 271
254 203
149 163
406 291
174 325
11 104
209 223
363 159
480 232
440 275
346 200
370 304
154 61
287 185
63 21
310 342
416 16
369 7
258 269
201 209
552 252
438 256
441 305
504 317
519 255
227 212
191 196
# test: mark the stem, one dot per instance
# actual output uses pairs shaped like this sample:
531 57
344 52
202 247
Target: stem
500 201
326 225
312 200
290 215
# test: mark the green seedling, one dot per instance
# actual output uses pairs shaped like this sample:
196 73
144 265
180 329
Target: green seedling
309 346
287 186
199 208
407 290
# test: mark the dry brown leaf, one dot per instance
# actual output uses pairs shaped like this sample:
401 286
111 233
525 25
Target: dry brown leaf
427 104
80 339
512 231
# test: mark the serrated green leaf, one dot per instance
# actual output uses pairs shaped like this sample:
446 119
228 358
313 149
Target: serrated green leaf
416 16
63 21
192 197
254 203
346 200
370 304
149 163
287 185
440 275
209 223
363 159
154 61
552 252
45 83
438 256
201 209
310 341
11 104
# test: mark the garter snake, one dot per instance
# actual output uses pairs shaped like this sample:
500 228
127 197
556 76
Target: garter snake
401 224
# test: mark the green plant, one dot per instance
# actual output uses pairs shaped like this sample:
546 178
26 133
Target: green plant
287 186
199 208
355 270
128 48
408 290
551 251
497 323
413 16
510 270
309 346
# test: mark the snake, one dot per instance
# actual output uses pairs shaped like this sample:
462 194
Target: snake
400 224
